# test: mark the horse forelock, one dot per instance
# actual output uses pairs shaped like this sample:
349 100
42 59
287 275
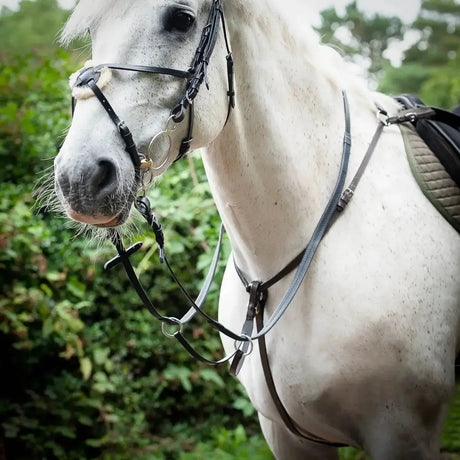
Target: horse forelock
86 15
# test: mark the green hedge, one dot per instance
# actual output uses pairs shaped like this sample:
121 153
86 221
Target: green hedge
85 369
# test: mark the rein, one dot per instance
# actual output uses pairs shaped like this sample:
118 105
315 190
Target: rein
173 327
258 291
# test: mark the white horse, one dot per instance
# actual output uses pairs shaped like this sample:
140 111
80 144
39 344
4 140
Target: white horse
364 356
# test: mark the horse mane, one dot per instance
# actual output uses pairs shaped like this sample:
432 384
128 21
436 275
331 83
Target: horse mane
290 21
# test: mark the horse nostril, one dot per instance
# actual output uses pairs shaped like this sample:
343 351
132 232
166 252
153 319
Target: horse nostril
104 178
88 187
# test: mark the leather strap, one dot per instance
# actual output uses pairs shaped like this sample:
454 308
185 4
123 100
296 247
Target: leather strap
347 195
417 111
146 69
318 234
288 421
122 128
168 322
257 299
258 291
310 250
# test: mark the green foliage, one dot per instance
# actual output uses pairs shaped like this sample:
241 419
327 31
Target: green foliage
439 25
87 371
226 445
406 79
443 86
450 438
33 115
432 64
22 33
370 36
430 67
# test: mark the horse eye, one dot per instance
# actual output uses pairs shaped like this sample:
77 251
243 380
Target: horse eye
179 20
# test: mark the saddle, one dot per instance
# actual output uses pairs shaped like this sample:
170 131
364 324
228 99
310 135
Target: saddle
432 140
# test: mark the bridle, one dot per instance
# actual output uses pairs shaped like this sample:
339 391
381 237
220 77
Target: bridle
194 76
258 291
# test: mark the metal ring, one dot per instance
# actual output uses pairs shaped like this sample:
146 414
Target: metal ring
168 129
162 136
173 322
240 343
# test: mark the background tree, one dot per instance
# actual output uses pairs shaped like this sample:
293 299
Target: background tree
360 36
34 27
431 66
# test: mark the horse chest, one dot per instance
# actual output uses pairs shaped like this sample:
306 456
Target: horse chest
365 332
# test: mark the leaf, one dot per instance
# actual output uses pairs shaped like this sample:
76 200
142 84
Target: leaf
85 420
100 355
55 276
85 367
244 405
211 375
76 288
181 373
48 326
46 289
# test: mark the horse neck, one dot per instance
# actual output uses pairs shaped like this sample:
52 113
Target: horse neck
274 165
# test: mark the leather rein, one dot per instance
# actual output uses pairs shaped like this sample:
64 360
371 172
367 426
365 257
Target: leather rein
258 291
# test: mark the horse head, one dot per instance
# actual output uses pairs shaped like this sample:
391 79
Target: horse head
135 108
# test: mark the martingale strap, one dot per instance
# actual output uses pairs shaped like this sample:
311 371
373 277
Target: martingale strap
258 291
308 253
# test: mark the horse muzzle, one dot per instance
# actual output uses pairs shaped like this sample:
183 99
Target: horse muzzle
93 193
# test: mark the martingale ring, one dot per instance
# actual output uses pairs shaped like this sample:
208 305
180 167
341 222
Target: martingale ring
239 345
169 323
